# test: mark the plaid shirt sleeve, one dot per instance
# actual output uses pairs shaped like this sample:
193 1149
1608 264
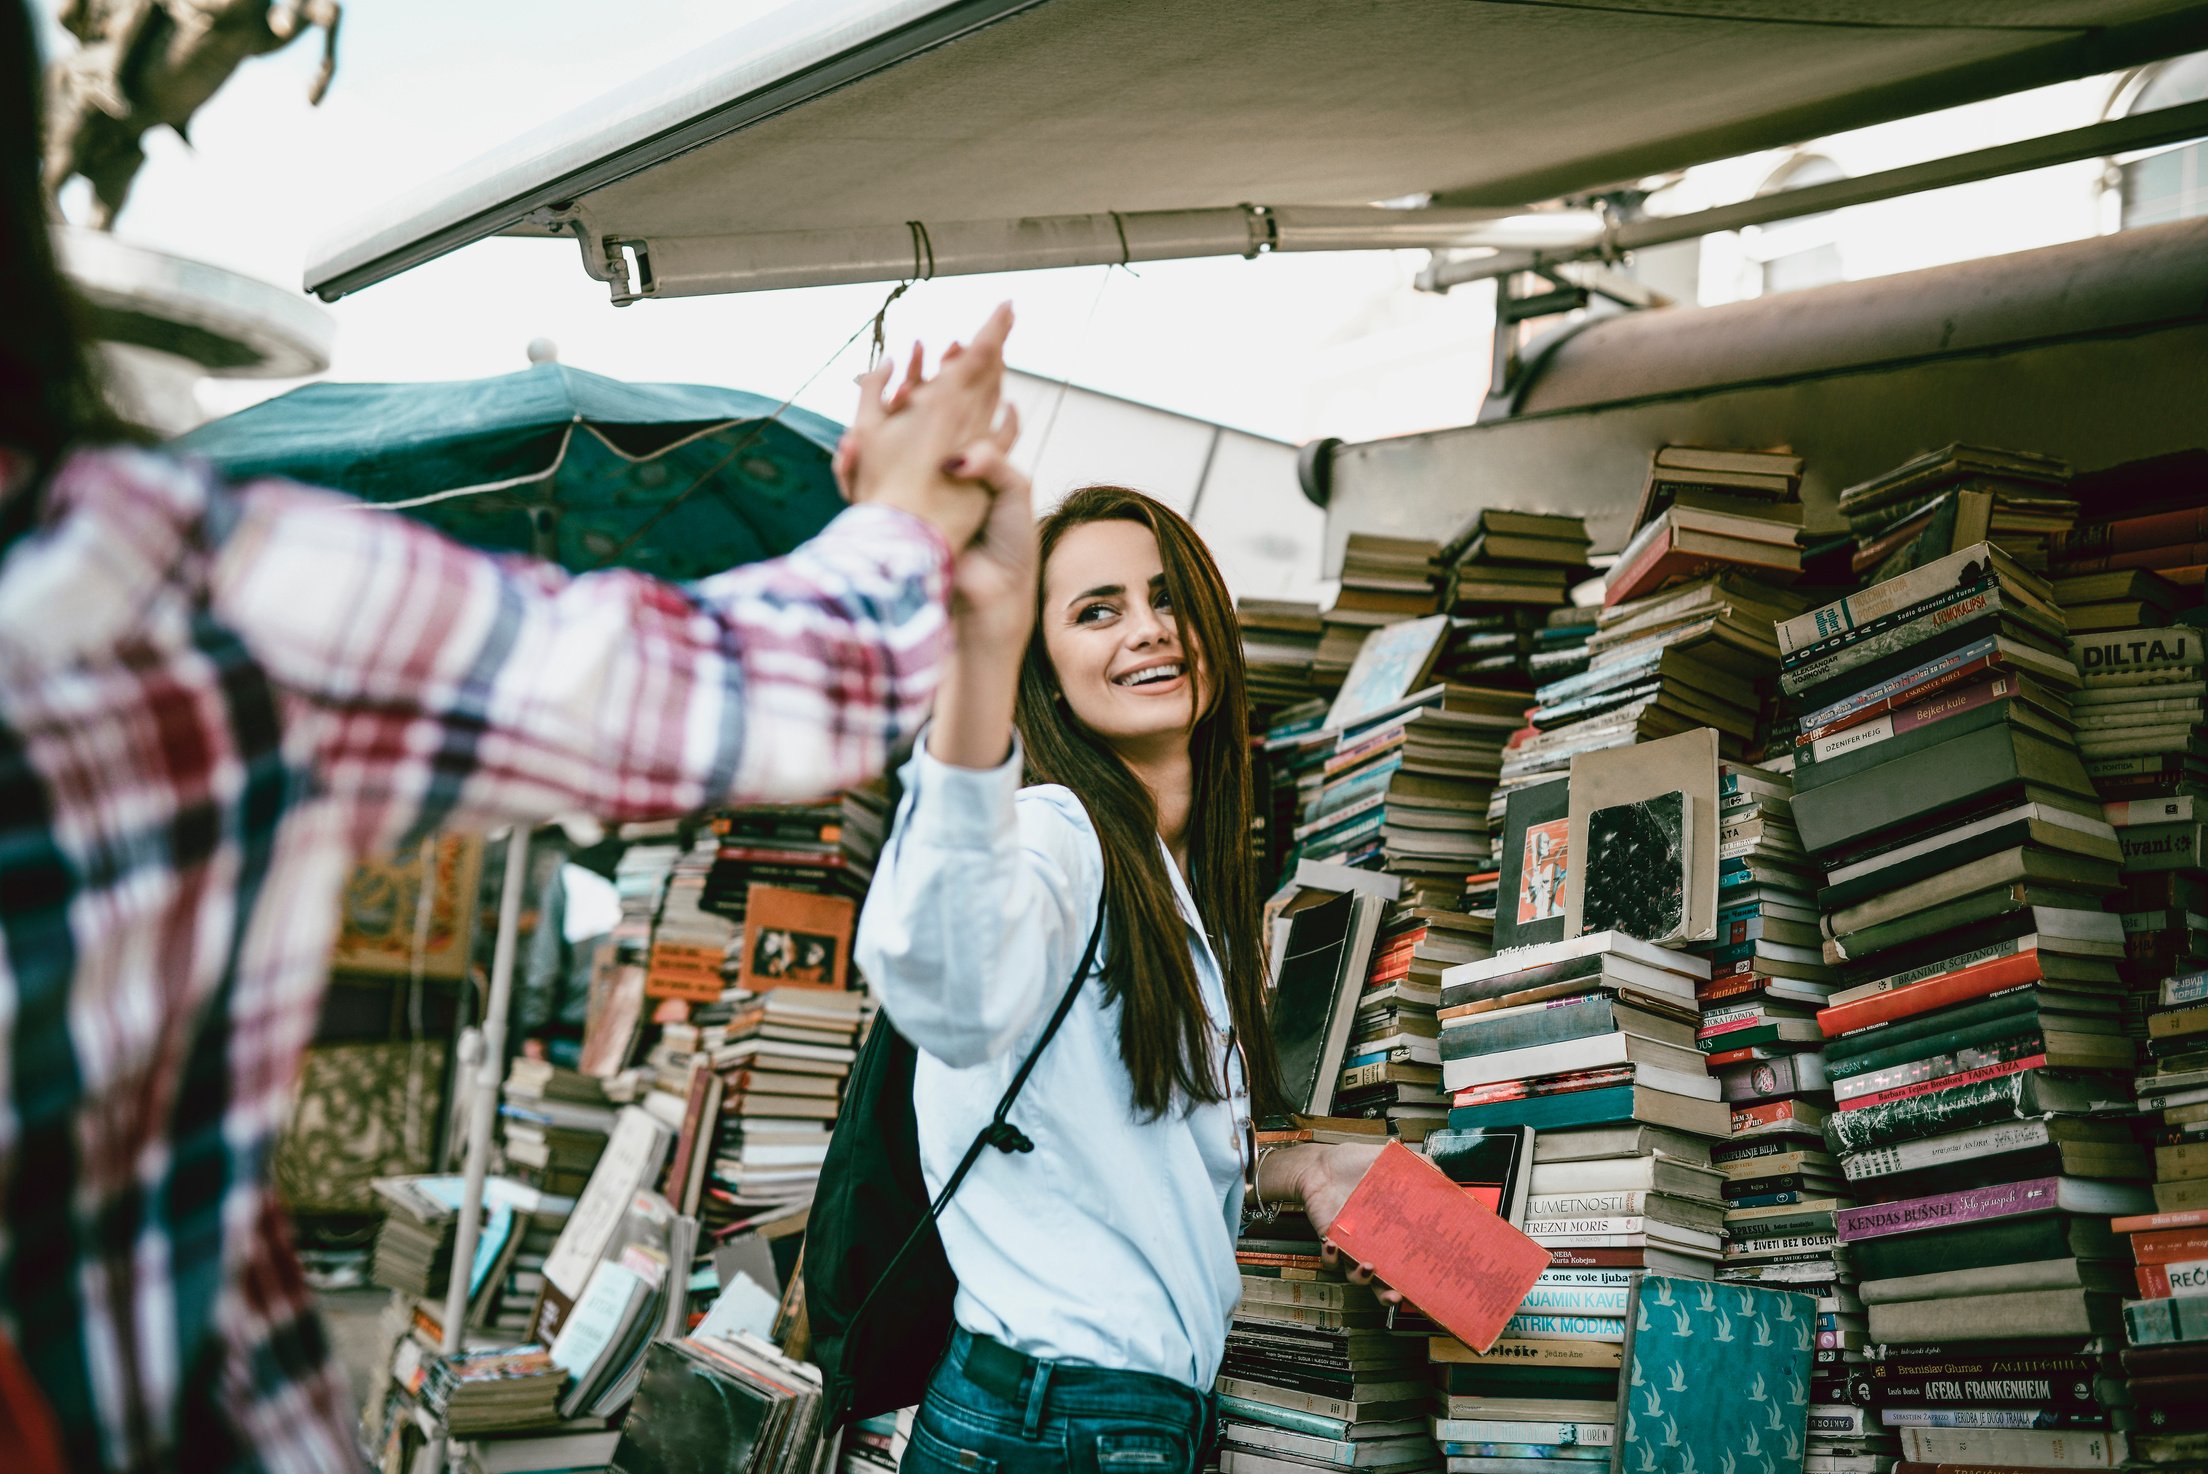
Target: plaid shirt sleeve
449 688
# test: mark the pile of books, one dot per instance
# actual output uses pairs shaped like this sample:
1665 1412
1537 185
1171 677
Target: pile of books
1706 511
782 1063
2165 1360
414 1243
2172 1090
1955 497
2145 531
825 848
690 944
486 1392
2138 713
1399 776
1280 639
1509 596
1977 1053
1385 580
1392 1070
1313 1377
1576 1079
553 1123
1685 638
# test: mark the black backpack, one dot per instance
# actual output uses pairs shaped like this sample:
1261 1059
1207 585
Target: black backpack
878 1289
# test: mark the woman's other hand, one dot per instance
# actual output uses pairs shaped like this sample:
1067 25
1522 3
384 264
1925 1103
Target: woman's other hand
1325 1178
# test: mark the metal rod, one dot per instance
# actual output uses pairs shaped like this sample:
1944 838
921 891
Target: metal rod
2120 135
490 1056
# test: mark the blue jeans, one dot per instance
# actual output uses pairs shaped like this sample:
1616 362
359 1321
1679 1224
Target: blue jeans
991 1410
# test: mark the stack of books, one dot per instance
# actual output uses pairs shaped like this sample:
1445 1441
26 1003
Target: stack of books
2165 1360
1575 1077
553 1123
1313 1377
1597 1033
1392 1069
1385 580
2123 599
690 945
1508 561
1280 639
825 848
2017 500
1710 511
2139 714
782 1063
2144 520
474 1393
2172 1087
1976 1052
1404 787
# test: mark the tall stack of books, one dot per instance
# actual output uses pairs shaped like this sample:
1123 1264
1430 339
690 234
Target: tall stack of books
2139 714
2022 501
1977 1054
1280 639
2173 1092
690 945
1385 580
782 1063
1577 1058
1313 1377
1509 573
1685 636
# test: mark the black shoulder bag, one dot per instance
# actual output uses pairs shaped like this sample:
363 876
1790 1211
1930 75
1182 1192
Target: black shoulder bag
881 1315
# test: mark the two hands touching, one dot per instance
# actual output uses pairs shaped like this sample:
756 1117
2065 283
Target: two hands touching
940 448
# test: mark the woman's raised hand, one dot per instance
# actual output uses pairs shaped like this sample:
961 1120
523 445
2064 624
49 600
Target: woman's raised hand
993 589
901 448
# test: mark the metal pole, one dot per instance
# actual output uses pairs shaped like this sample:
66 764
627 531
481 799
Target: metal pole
485 1050
2164 126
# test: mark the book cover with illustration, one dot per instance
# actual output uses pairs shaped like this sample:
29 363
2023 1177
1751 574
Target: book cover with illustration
1688 1338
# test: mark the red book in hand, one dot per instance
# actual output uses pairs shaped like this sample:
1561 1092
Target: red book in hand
1444 1249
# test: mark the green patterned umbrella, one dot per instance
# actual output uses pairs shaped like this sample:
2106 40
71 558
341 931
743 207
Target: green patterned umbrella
680 480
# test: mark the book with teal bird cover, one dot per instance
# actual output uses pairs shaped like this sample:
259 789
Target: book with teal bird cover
1714 1380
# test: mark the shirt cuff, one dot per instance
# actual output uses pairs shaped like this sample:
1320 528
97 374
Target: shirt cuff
960 808
893 534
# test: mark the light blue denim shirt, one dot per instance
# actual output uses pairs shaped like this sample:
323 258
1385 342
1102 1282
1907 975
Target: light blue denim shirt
1112 1243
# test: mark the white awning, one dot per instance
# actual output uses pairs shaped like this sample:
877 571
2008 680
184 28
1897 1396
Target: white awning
852 140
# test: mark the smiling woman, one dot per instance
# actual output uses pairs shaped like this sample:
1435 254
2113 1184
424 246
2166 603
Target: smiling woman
1098 657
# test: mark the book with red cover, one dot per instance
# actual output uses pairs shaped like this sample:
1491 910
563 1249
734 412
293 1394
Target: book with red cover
1446 1251
1959 986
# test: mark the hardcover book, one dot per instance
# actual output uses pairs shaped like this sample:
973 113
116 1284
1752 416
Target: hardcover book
796 938
1536 865
1687 1337
1638 868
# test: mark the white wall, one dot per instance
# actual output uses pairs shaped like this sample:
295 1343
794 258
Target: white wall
1239 489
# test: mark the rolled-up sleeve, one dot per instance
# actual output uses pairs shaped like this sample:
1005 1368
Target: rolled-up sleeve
981 905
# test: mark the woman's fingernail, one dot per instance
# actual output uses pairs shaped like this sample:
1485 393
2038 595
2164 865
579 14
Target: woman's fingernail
955 466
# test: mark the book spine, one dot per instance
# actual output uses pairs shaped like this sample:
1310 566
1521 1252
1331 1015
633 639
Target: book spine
1534 1327
1870 737
1982 604
1915 683
1959 569
1586 1205
2183 1277
1980 1103
1975 1205
1914 1156
1591 1226
2036 1448
2129 534
1976 980
2167 1320
1945 1072
1551 1300
2111 655
1848 639
1552 1023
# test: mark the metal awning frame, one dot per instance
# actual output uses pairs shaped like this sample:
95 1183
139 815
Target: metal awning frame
2161 128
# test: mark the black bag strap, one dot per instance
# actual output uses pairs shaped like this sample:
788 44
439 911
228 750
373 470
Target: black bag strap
999 1133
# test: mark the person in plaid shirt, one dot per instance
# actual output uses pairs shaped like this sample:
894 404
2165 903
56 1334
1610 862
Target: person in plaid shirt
214 698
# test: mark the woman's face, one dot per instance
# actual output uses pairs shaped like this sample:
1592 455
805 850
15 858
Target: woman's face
1113 641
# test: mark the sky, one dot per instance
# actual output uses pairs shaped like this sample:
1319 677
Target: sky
1282 346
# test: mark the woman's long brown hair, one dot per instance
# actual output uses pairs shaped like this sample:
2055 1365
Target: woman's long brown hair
1164 1033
